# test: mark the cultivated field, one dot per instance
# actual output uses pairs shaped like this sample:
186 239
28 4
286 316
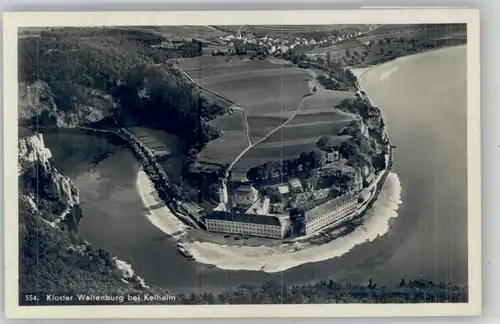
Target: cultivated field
182 32
339 48
287 30
271 93
317 118
260 86
233 140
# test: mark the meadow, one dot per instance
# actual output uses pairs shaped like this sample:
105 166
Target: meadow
270 92
233 140
182 32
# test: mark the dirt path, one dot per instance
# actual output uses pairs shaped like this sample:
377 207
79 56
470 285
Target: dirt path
247 128
267 136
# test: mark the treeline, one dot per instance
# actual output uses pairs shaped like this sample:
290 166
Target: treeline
270 170
332 84
80 64
328 291
371 115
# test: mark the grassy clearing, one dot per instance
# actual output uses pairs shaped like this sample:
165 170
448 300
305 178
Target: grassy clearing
231 122
209 66
258 86
326 99
224 149
257 92
230 144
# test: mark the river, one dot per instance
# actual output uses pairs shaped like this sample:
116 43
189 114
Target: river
422 98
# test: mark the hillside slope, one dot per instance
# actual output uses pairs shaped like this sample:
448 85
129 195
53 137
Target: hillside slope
51 257
74 76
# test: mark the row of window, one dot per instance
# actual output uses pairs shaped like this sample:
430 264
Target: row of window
239 224
236 230
254 231
330 217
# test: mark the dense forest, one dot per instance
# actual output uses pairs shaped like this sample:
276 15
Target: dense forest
92 74
328 291
55 259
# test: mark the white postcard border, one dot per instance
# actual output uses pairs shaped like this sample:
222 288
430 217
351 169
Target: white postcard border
12 21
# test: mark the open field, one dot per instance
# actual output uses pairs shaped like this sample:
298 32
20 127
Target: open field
299 135
261 91
317 117
287 30
231 29
298 130
260 86
399 29
270 93
182 32
233 140
338 49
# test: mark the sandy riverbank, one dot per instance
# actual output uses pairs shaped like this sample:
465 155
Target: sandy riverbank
284 256
155 210
278 257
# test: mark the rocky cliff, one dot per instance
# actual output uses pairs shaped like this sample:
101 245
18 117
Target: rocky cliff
52 257
53 194
37 106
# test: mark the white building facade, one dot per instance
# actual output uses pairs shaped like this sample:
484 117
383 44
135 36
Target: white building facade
245 224
329 213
